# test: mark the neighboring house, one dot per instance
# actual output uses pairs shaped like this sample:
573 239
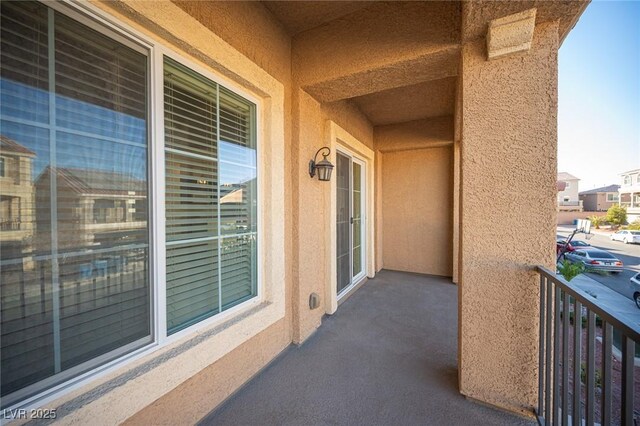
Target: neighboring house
103 209
568 199
182 244
16 199
630 193
599 199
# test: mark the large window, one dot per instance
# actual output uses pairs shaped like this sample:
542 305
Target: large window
75 258
74 122
211 197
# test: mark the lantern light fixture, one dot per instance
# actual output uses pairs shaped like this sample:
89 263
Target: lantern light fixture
322 167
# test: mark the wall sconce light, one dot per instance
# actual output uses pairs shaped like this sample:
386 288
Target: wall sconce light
323 167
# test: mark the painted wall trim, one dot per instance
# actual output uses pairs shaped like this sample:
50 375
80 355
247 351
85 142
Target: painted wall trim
339 138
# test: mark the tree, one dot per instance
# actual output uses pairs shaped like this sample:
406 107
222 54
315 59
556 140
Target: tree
617 215
597 221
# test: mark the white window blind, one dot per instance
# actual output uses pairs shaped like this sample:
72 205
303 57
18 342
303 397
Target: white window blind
211 197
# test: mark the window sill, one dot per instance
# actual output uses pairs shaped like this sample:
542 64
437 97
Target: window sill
146 374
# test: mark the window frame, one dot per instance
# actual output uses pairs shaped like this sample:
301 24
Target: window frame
3 167
612 197
67 378
103 22
159 158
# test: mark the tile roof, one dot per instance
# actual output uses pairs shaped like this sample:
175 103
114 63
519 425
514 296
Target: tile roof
99 182
566 176
9 145
610 188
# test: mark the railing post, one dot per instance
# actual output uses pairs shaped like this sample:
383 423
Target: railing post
590 367
577 358
556 358
541 342
549 366
565 358
628 358
607 342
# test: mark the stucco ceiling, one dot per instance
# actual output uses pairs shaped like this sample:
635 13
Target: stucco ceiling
299 16
423 100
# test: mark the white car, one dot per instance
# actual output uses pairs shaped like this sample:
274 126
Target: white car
635 288
626 236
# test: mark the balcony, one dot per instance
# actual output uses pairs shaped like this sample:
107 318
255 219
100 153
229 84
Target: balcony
10 225
589 369
388 356
570 205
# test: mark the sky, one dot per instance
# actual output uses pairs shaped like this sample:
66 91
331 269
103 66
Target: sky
599 94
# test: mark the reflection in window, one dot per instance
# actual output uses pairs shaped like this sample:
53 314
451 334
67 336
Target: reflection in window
73 200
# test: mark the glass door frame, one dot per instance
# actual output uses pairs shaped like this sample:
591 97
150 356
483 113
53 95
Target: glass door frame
357 278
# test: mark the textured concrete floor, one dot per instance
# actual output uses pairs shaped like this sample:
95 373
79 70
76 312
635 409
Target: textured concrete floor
387 357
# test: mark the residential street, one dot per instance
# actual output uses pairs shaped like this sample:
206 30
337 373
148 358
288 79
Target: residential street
629 254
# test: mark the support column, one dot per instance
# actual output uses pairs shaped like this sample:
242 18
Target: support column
508 215
310 270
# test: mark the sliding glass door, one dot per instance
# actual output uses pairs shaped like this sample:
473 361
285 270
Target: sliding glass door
350 196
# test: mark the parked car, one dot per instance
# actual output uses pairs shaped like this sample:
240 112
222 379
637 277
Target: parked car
560 246
573 245
595 260
579 244
626 236
635 287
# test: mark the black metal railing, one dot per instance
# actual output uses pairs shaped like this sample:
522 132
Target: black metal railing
586 358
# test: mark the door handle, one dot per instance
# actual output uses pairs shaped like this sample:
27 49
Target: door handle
351 220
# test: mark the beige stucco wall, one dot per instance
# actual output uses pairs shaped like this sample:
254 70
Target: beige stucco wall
508 166
407 51
417 210
198 395
432 132
311 261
